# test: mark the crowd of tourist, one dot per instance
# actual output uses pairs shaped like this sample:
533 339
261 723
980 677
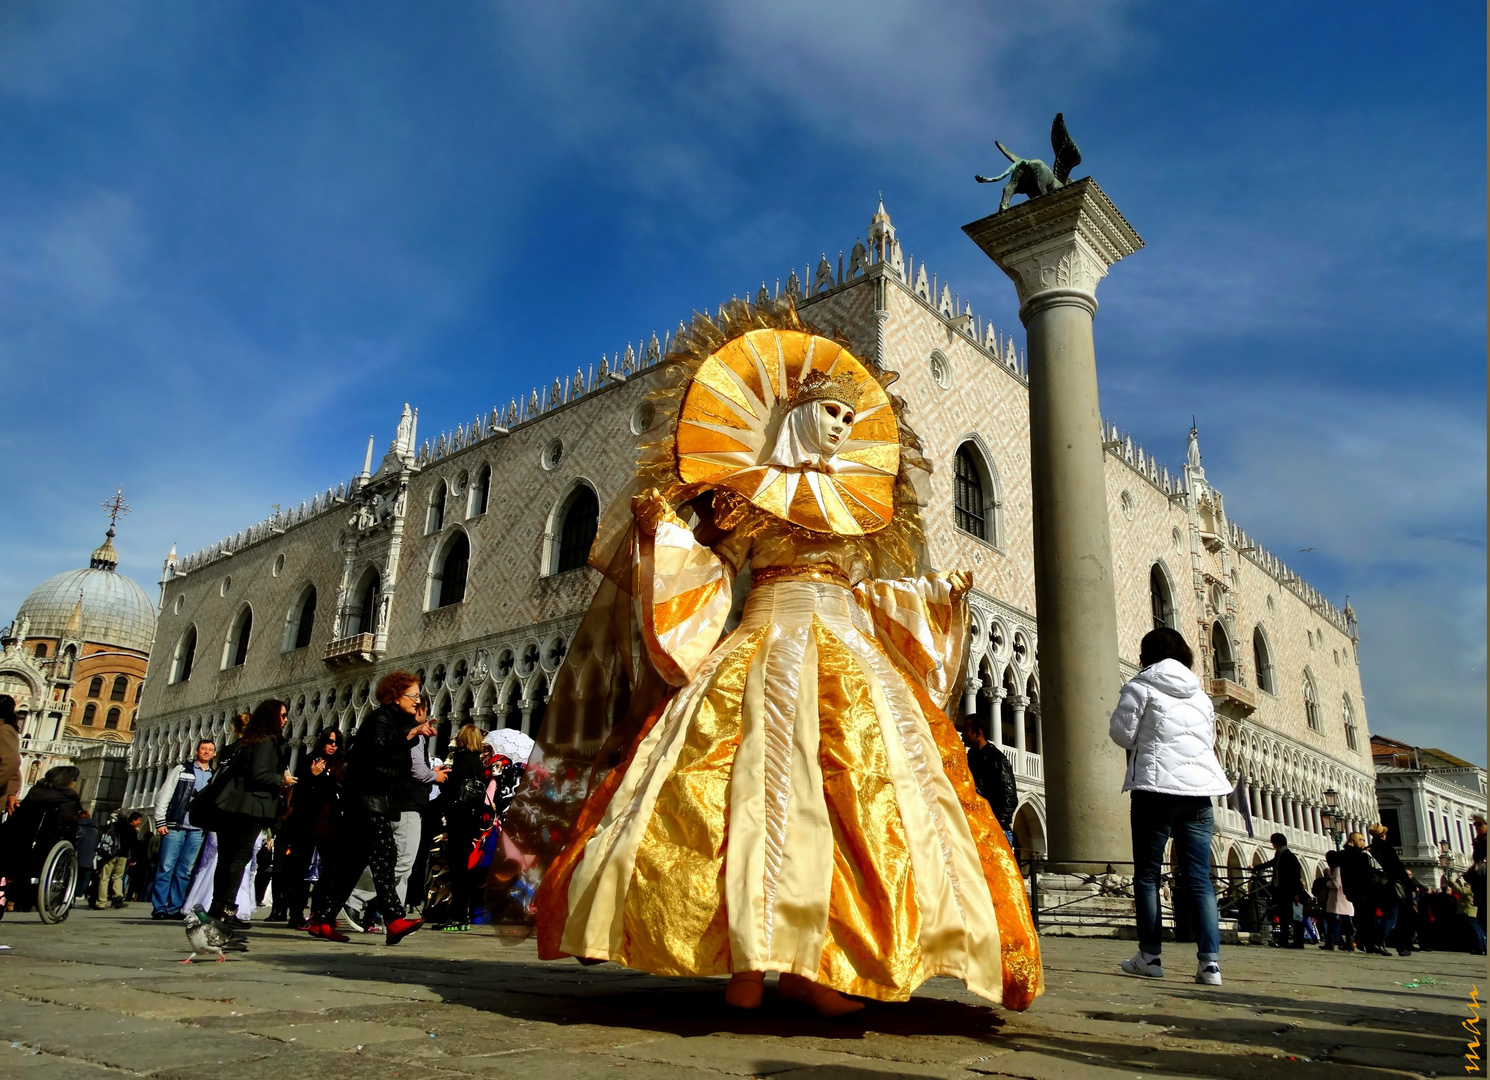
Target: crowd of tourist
373 834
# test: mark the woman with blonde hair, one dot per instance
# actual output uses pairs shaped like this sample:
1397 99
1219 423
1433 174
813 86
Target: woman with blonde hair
467 812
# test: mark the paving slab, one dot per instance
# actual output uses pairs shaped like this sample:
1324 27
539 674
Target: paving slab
104 994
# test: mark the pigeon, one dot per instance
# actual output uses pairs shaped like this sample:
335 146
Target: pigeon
208 937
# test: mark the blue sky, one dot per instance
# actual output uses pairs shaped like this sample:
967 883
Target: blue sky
236 237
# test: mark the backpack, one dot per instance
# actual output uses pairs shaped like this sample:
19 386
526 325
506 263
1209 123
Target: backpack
108 845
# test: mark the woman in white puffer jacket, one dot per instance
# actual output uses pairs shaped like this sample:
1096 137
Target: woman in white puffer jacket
1167 724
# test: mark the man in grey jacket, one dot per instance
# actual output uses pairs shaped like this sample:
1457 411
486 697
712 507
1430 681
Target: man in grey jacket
180 841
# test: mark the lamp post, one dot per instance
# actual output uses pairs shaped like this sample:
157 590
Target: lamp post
1330 819
1445 855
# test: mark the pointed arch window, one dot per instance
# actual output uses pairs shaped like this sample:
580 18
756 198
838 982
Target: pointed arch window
301 622
580 519
480 492
236 653
1161 601
186 652
452 566
1348 714
120 688
362 618
1311 702
435 520
967 494
1262 662
1225 666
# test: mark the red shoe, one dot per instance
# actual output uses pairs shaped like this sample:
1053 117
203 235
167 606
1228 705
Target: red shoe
399 929
327 931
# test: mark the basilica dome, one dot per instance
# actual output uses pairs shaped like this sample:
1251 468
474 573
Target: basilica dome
114 610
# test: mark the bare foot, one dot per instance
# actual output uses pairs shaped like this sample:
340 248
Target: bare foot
745 989
826 1001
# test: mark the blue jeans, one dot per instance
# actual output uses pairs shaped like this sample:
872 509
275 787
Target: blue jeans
178 858
1154 817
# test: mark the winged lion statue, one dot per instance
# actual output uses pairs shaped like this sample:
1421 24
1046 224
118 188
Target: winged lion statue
1032 177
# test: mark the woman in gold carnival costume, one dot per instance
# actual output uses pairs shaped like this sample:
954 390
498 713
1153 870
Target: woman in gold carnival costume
787 794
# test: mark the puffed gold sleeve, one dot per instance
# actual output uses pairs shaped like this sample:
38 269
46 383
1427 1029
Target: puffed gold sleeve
922 623
683 589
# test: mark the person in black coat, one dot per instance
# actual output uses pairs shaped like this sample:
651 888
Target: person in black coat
1397 895
47 814
378 773
1288 887
315 813
249 802
993 776
87 845
467 814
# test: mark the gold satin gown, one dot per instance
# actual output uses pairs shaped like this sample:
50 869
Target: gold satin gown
801 803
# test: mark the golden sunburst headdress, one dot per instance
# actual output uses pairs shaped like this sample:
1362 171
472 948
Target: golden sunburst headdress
733 410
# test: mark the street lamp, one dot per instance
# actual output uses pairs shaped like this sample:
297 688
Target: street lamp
1445 855
1333 823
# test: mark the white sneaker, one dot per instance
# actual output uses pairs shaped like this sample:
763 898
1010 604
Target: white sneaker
1209 973
1137 965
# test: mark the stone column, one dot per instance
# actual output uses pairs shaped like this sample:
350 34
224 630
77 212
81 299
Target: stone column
1056 248
996 712
970 696
1019 739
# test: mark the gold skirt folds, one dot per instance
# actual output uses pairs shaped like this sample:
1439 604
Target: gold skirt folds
799 806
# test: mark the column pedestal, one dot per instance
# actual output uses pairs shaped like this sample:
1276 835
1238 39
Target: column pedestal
1056 249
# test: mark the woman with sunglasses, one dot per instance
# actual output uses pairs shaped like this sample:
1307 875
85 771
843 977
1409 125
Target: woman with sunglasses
378 770
315 814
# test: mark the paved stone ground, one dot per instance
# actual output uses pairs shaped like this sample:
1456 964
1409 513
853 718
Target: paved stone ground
102 994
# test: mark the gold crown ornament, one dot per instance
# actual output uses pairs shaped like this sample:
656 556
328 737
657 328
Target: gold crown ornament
820 386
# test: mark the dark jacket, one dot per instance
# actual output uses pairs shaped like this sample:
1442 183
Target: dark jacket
378 758
993 776
255 781
315 800
129 839
1355 876
1288 878
45 816
87 844
1391 865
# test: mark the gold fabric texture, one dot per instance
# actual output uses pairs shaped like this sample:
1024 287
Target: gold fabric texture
675 921
874 925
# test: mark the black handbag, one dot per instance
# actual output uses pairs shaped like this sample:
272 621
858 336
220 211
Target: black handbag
205 810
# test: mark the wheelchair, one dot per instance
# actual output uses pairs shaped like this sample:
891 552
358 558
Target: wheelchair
40 866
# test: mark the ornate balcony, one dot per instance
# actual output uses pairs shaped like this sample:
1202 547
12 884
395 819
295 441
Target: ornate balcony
355 649
1224 692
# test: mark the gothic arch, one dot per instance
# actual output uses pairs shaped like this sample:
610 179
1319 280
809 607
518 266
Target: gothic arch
448 576
1162 604
559 514
991 486
300 620
240 637
1262 660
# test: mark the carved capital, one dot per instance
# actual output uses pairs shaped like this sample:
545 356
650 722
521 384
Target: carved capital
1057 245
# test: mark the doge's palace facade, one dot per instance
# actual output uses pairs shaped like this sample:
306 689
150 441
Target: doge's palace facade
462 558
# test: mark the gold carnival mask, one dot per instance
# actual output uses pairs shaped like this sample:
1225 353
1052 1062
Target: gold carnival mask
763 418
